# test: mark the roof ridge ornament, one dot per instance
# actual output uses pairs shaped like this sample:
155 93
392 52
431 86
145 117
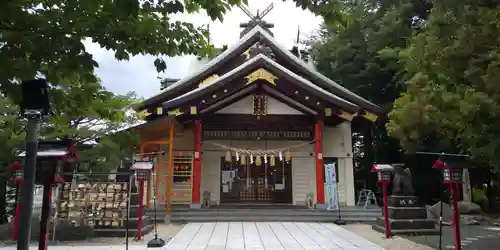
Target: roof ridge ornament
261 74
256 20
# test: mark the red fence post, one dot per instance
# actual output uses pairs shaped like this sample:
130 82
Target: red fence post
18 210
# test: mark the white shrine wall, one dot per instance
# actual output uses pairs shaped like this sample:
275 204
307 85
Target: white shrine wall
337 143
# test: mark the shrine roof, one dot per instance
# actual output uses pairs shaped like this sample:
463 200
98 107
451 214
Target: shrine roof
241 71
310 78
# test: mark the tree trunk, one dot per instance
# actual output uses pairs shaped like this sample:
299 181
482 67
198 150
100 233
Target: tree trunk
3 201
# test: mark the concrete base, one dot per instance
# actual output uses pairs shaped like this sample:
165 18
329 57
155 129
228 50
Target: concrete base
195 206
320 206
167 219
381 229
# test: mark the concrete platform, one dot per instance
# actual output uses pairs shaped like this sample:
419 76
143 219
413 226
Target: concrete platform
111 247
268 236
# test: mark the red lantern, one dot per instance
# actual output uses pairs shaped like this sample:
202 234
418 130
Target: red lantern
18 169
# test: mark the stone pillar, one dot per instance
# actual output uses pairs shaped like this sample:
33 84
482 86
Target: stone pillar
467 195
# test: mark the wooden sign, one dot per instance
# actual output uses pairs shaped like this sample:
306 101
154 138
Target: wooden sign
262 135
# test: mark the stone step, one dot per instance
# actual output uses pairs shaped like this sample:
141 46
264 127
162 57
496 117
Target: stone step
121 232
264 213
267 219
407 224
407 212
132 223
268 211
433 231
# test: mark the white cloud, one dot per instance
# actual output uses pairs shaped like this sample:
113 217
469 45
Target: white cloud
139 74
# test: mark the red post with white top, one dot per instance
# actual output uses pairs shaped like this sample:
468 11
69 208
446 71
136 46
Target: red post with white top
384 177
452 176
18 179
142 170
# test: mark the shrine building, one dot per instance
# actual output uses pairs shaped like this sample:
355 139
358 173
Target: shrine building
254 125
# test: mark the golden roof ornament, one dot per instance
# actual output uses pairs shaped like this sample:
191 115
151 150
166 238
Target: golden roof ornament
370 116
175 112
261 74
345 115
209 80
143 114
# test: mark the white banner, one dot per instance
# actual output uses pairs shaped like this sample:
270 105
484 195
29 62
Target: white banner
332 195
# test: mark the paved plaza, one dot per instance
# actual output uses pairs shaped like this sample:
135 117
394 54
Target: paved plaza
245 236
268 236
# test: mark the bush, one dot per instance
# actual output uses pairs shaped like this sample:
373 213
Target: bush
479 197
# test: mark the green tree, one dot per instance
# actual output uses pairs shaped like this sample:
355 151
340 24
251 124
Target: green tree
87 113
46 37
11 133
363 57
11 136
452 101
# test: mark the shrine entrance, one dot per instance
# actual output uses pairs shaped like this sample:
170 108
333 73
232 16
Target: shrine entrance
251 183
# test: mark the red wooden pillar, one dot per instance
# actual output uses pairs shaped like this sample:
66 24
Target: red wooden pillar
456 215
320 178
197 162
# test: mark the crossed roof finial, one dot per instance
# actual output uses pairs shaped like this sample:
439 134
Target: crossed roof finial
256 19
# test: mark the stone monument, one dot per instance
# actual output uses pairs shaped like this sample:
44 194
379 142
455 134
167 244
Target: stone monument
405 216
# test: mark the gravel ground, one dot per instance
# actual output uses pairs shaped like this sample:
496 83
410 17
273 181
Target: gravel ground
395 243
165 231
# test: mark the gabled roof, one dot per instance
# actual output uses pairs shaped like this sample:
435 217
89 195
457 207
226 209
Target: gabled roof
256 34
260 61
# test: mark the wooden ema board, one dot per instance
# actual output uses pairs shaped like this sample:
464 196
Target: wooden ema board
182 185
101 205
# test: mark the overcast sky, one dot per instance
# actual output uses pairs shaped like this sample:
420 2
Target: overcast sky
139 74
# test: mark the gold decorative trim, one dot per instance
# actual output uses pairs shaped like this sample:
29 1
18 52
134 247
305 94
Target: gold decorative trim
208 80
328 112
259 105
175 112
159 110
143 114
246 54
193 110
261 74
346 115
370 116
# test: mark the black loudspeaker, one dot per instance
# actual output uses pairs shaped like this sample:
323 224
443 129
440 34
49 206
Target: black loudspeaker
34 96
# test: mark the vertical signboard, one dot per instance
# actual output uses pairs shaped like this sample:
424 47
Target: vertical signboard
332 195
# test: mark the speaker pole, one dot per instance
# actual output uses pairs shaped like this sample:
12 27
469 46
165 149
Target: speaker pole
28 184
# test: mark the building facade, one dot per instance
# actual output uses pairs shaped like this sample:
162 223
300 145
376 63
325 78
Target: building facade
256 124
